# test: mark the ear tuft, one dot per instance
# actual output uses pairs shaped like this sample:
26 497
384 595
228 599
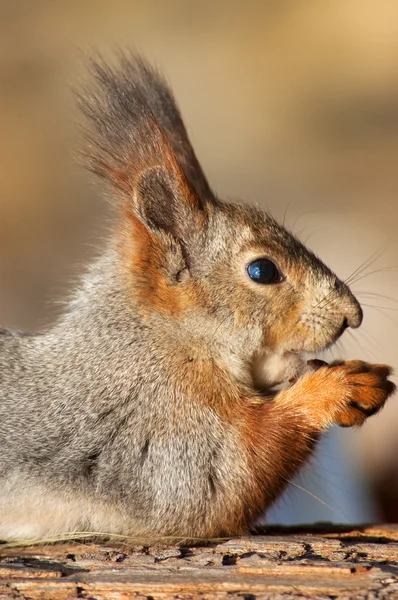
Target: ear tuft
137 143
161 102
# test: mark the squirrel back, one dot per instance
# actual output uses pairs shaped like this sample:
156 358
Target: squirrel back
140 411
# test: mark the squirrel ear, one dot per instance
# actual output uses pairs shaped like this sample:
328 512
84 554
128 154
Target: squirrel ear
130 144
164 200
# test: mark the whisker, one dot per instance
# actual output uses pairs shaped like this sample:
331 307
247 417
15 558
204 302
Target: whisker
376 295
325 298
361 347
286 211
303 489
381 311
340 347
383 270
314 333
372 258
300 216
377 306
370 338
317 230
321 470
358 274
331 350
329 297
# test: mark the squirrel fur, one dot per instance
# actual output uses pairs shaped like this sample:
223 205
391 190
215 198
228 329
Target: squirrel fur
146 410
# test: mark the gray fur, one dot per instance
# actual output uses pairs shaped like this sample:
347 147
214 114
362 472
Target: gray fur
101 423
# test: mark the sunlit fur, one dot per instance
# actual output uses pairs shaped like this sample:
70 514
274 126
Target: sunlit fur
139 411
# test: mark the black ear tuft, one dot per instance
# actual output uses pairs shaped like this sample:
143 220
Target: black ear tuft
154 88
137 133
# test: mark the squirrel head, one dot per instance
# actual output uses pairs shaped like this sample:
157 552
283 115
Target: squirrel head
223 275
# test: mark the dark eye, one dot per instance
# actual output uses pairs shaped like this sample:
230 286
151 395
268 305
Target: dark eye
263 270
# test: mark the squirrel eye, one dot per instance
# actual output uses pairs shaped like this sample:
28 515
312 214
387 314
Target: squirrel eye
264 271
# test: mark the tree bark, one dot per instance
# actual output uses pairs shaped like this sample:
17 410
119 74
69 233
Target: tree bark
320 561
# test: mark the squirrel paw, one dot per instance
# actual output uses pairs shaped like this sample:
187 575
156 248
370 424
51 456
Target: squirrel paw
367 388
345 393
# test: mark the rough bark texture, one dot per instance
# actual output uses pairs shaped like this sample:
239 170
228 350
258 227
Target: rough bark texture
324 561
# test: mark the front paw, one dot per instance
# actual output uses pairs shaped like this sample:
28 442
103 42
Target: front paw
344 393
367 388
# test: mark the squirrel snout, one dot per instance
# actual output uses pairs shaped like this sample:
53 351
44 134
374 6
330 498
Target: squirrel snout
354 315
350 308
354 319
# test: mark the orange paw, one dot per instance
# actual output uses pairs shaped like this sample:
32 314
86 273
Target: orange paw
345 393
367 388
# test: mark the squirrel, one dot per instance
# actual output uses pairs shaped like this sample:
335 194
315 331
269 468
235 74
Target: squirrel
149 409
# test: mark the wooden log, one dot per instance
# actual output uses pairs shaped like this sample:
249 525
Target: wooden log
319 562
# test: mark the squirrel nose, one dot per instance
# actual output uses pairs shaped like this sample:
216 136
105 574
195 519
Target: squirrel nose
350 307
354 316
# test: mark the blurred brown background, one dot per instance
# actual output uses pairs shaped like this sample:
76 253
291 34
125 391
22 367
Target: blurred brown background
292 104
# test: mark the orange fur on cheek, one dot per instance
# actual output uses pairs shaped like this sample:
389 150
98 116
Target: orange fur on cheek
144 258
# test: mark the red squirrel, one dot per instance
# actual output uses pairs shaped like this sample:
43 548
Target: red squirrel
148 409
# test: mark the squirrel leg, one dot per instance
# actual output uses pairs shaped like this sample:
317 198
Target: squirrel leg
279 435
